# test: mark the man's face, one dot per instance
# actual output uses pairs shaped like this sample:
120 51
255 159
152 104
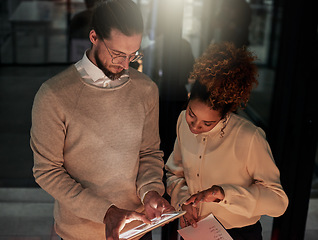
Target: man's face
104 50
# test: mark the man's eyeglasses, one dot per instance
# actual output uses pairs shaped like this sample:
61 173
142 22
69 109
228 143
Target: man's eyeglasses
120 59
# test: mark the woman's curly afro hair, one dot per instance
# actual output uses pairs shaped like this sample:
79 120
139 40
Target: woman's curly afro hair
227 74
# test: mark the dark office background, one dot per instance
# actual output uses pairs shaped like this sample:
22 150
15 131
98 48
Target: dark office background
36 43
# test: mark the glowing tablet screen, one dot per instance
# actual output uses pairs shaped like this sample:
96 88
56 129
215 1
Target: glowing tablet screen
156 222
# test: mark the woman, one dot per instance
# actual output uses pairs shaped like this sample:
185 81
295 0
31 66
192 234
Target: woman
221 162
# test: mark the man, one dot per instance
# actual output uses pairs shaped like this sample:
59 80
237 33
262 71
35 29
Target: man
95 133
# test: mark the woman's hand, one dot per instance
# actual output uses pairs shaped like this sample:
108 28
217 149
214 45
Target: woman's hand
190 218
213 194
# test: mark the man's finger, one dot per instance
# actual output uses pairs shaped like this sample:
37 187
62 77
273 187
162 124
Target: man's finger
140 217
109 234
109 237
165 207
115 235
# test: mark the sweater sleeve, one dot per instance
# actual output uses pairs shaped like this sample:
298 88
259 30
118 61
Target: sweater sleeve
151 164
48 133
176 184
265 196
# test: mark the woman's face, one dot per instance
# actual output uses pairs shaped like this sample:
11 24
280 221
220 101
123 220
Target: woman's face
200 117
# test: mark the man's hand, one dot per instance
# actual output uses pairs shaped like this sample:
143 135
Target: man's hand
116 218
213 194
190 218
155 205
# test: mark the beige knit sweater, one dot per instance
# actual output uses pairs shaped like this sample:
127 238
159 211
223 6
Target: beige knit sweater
94 147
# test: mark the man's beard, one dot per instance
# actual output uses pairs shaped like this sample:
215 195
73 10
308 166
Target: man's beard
111 75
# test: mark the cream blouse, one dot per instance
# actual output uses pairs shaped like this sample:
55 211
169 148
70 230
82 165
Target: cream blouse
240 162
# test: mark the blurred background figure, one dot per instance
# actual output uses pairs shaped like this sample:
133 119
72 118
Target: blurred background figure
231 22
79 28
156 64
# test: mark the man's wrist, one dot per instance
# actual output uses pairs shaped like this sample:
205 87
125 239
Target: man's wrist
109 209
148 195
143 197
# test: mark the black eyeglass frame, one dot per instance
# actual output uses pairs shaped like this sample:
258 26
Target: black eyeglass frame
132 58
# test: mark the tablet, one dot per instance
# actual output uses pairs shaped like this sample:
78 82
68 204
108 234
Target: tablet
143 228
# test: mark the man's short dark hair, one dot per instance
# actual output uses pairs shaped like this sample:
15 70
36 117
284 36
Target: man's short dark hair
123 15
